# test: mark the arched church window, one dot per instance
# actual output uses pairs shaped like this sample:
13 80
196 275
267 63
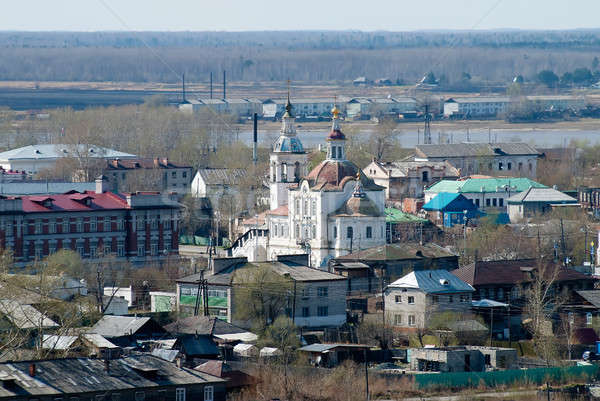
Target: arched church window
314 207
314 231
297 231
349 232
297 171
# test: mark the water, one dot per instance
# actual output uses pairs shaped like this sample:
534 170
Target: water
541 137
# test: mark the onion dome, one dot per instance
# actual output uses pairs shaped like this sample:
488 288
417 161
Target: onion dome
287 141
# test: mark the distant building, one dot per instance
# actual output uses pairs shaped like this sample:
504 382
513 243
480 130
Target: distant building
488 194
158 174
241 108
558 102
509 159
320 296
361 108
411 301
125 331
408 178
35 158
139 228
537 201
223 188
449 209
474 107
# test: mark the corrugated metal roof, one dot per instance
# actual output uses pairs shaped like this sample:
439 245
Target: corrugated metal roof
54 151
445 201
432 282
222 176
547 195
485 185
24 316
118 326
475 149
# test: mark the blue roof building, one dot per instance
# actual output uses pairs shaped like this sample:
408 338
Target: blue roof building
450 208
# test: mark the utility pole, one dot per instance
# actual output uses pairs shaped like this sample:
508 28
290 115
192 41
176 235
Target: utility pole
202 292
366 375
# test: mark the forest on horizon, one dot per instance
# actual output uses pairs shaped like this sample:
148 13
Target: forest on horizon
308 56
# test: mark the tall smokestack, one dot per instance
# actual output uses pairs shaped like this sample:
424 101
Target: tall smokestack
224 85
211 84
255 140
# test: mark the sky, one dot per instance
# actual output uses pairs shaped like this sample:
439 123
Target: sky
257 15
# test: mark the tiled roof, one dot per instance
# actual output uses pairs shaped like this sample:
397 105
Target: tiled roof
432 282
548 195
474 150
508 272
74 202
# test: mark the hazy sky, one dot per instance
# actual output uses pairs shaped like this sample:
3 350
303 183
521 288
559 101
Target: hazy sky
369 15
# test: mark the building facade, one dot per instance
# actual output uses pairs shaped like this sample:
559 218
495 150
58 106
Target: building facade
404 179
159 174
139 228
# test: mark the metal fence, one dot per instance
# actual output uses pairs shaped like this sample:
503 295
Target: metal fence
506 377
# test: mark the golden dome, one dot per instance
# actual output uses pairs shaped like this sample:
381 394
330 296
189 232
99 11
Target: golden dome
335 111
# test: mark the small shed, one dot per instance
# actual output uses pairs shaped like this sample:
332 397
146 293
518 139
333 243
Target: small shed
245 350
331 355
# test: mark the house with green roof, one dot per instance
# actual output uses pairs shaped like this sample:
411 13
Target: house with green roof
485 193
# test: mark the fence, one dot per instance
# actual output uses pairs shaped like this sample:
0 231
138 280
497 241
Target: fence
506 377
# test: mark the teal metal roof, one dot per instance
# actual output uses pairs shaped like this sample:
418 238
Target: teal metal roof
393 215
448 202
476 185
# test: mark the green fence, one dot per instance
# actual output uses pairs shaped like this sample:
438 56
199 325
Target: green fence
506 377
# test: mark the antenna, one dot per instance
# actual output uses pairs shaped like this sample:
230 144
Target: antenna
427 130
183 87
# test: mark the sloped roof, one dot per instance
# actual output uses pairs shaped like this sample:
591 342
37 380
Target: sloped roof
332 175
432 282
54 151
222 176
44 187
508 272
98 341
282 210
24 316
118 326
301 273
201 345
592 296
399 251
357 206
475 149
547 195
449 202
58 343
74 376
74 202
145 163
205 325
402 168
486 185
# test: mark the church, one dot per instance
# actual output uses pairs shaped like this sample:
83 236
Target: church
331 211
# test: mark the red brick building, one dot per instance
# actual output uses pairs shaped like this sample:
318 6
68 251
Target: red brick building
137 227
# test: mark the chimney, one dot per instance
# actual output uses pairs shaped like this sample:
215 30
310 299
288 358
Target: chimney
32 369
101 184
255 140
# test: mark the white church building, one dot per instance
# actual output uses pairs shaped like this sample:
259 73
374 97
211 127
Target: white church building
330 211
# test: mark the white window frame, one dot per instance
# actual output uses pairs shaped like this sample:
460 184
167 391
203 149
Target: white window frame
180 394
209 393
412 321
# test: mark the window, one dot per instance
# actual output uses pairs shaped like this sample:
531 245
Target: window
398 299
477 202
323 291
167 224
334 232
80 250
305 211
174 174
464 298
495 202
435 299
79 225
120 250
154 249
154 223
509 166
530 167
305 311
52 227
306 292
297 206
314 231
184 174
500 166
450 299
180 394
501 202
323 311
140 223
107 249
425 176
314 207
349 232
208 393
487 202
120 224
411 300
92 252
369 232
297 230
141 250
411 320
397 320
93 224
588 318
38 227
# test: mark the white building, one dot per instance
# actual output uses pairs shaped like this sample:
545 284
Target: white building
35 158
475 106
330 212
